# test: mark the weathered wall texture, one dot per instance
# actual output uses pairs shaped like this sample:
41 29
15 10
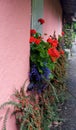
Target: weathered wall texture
53 17
14 48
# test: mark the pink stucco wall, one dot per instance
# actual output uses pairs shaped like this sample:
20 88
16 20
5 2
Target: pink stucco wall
14 43
14 48
53 17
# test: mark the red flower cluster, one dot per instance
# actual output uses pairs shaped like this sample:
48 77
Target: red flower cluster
32 31
37 41
34 40
54 54
53 42
52 51
41 21
50 40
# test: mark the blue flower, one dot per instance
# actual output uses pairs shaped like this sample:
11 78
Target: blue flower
34 74
46 72
37 81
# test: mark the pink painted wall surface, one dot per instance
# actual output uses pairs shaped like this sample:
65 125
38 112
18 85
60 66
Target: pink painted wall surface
14 48
53 17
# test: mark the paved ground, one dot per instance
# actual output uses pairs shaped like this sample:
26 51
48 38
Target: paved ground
69 109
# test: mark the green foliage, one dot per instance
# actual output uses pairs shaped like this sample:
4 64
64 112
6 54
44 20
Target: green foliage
74 26
39 55
68 36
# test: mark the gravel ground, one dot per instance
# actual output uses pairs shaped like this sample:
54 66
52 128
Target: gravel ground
69 109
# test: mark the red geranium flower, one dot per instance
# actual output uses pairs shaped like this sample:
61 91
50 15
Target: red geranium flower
53 52
41 21
62 33
53 42
37 41
50 40
32 31
32 39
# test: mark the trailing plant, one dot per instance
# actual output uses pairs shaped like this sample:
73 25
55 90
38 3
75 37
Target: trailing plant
31 111
26 111
60 75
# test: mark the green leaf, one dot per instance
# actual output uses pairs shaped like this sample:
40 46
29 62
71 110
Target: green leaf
51 76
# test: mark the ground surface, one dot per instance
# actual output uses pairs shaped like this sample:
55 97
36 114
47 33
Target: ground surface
69 109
